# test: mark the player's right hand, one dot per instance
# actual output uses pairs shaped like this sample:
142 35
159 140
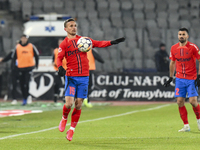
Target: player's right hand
61 71
167 83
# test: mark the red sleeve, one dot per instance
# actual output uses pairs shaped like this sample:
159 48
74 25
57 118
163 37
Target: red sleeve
195 51
171 56
61 54
100 43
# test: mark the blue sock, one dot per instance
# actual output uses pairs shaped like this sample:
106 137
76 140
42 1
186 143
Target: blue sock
24 101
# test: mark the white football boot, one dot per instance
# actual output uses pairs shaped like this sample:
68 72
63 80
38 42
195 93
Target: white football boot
186 128
198 123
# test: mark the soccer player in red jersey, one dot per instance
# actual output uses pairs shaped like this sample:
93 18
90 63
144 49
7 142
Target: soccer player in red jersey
183 57
76 75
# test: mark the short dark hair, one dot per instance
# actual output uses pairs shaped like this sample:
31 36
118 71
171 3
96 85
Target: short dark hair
68 20
162 44
24 35
184 29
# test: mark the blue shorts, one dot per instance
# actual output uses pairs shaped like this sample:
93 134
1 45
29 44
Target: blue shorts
185 86
76 86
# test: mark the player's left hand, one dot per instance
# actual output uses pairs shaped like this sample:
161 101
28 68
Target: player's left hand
197 81
117 41
61 71
167 83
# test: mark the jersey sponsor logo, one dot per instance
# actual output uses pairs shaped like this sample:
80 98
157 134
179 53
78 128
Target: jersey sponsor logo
59 50
183 59
68 46
69 53
24 52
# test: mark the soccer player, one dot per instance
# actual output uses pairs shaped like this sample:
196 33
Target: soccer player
76 75
183 57
92 55
58 80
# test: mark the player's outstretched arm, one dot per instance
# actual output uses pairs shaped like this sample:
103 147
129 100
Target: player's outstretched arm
117 41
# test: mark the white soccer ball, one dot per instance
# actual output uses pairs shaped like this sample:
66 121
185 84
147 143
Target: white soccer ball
84 44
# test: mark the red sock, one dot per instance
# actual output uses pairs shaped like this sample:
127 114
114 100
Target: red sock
197 111
66 111
75 117
183 114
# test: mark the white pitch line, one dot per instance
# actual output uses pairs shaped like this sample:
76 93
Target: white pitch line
97 119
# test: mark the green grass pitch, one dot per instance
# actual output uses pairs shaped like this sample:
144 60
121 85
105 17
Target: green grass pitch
144 127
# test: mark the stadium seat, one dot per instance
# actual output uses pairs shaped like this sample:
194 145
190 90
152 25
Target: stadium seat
138 63
184 4
185 23
15 5
58 6
81 14
103 13
172 6
108 66
184 13
114 6
194 4
130 33
114 53
138 15
92 15
137 53
149 63
149 14
149 5
194 13
128 64
79 6
138 5
105 53
162 15
48 6
7 44
162 23
99 66
161 6
140 23
126 5
117 65
127 53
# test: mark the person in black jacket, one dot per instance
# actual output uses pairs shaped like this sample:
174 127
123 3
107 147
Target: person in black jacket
24 55
92 56
14 75
162 59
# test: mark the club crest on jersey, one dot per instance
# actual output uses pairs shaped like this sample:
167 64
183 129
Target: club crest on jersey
59 50
199 52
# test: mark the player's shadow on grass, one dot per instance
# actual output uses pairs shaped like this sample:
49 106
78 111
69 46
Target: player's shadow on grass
107 145
195 132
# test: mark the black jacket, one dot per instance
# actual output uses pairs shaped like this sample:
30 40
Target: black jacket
9 57
97 56
162 61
